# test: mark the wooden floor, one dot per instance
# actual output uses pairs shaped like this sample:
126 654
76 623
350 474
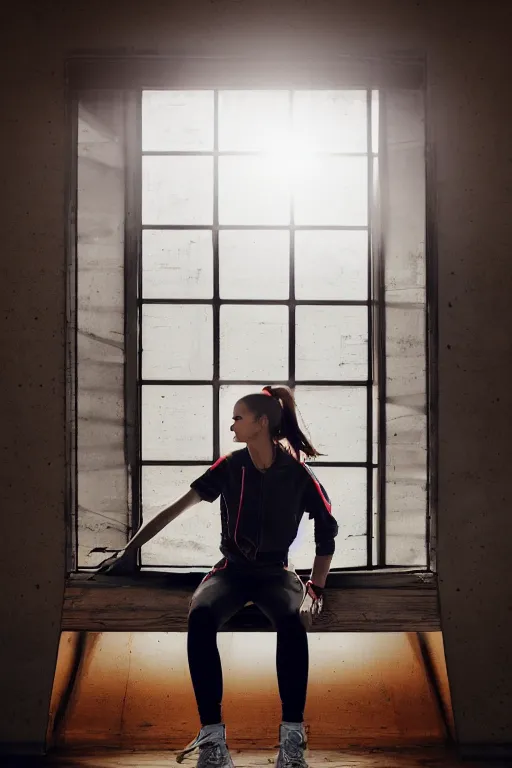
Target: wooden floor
412 758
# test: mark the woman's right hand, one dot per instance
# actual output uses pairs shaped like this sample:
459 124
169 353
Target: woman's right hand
115 565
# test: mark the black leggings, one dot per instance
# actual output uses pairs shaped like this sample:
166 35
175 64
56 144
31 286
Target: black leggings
224 591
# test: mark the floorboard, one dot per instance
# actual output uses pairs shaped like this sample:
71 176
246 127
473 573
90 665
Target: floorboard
376 758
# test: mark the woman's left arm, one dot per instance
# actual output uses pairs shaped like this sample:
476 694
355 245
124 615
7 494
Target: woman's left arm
318 505
320 571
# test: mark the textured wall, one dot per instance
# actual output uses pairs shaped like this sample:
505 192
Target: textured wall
469 116
133 690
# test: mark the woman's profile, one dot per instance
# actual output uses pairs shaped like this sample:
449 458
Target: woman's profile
264 489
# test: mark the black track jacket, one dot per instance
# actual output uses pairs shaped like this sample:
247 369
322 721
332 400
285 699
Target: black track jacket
261 512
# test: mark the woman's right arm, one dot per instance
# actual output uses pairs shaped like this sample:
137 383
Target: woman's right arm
166 516
149 530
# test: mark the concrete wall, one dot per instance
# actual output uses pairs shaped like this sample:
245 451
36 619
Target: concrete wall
469 118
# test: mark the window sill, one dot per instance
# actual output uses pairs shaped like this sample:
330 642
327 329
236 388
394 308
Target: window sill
371 601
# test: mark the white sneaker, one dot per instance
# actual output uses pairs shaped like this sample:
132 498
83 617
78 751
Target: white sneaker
292 740
213 750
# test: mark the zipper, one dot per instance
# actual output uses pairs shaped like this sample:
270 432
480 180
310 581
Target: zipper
240 506
260 517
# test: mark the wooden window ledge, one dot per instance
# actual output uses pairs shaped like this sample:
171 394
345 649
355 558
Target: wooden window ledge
372 601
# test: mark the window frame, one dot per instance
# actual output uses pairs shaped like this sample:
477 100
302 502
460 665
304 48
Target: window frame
137 73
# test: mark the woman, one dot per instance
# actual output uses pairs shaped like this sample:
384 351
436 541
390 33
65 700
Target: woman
264 490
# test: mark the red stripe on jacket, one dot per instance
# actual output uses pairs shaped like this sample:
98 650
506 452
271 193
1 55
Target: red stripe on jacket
222 458
240 505
326 502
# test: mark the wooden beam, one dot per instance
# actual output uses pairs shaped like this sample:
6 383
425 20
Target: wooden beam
104 71
152 602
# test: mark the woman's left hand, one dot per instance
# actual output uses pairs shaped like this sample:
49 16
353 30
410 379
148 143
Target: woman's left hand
312 604
115 565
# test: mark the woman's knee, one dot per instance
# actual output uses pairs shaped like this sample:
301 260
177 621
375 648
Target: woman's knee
289 622
201 617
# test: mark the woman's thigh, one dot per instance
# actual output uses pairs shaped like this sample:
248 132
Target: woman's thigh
220 595
279 596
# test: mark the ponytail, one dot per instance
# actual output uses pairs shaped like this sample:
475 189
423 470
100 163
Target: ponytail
288 429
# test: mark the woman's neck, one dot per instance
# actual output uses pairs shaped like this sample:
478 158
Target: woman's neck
262 453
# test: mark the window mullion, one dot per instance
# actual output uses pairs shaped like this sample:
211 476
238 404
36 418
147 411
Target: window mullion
133 311
292 304
216 289
380 339
369 390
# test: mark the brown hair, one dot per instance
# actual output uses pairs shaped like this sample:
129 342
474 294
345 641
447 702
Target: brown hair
281 410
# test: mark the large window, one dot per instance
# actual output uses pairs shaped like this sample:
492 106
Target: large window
258 237
256 268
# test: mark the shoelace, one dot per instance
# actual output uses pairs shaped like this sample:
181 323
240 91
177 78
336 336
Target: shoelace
191 746
211 754
209 747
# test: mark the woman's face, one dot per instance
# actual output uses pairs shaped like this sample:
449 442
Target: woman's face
246 427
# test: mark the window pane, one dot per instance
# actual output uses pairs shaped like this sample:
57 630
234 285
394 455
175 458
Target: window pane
177 264
375 121
346 487
177 341
330 121
177 190
254 265
331 343
332 191
376 182
403 114
252 121
406 537
254 342
194 537
336 418
253 190
375 517
375 414
177 121
228 396
331 265
406 478
177 423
